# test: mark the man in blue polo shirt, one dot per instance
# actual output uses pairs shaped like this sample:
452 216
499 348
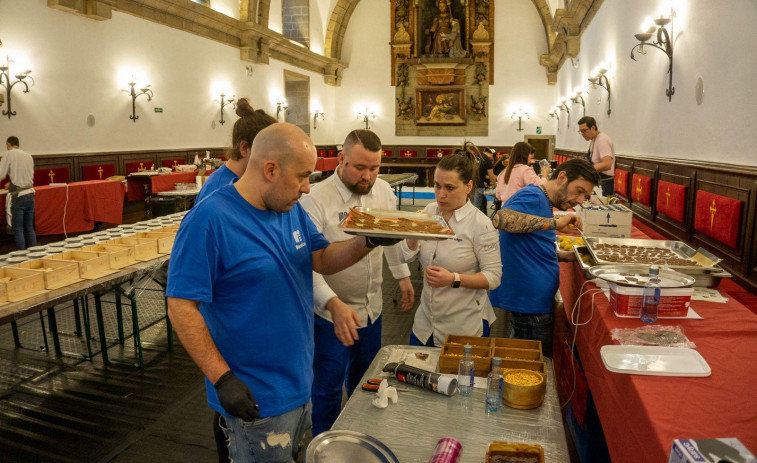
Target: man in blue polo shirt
530 273
240 295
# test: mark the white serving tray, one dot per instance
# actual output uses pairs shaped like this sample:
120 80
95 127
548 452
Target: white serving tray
655 361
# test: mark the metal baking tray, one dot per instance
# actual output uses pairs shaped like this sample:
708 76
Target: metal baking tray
394 214
348 446
618 274
680 248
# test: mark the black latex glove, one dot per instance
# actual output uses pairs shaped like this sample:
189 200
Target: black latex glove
373 241
236 398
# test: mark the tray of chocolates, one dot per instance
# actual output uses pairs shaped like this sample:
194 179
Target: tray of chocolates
387 223
674 254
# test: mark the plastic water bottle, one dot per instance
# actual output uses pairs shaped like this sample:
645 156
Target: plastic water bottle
650 299
494 386
466 371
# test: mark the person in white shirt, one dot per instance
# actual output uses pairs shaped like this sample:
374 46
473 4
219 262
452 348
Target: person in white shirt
601 153
348 303
459 271
19 166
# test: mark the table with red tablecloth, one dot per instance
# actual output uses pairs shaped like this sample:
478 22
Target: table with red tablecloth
326 164
81 203
158 183
641 415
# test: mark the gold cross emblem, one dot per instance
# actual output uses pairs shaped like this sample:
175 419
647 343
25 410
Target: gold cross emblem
175 163
667 197
141 167
51 175
638 190
713 210
408 154
100 171
620 180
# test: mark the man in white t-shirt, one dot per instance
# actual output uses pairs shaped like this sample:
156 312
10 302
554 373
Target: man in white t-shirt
348 303
19 166
601 153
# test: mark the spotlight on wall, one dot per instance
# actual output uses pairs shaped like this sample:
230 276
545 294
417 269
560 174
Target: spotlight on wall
281 105
663 42
5 81
134 95
599 78
228 102
317 114
555 113
520 114
365 115
563 106
578 98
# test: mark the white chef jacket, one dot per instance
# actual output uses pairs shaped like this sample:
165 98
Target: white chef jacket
19 165
451 310
359 285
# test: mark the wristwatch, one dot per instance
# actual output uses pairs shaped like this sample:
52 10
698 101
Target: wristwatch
456 283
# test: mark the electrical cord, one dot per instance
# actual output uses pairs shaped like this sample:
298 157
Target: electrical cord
575 316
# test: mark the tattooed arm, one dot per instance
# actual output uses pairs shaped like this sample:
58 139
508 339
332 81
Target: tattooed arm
518 222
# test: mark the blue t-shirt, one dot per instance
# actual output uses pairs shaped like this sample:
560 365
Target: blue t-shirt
222 177
252 272
530 272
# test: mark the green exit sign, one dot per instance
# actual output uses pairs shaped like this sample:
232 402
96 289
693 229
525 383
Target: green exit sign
158 110
538 130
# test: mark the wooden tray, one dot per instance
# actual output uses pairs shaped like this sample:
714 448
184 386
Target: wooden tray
144 249
516 343
61 273
118 256
91 265
23 284
451 354
472 340
516 364
517 354
165 240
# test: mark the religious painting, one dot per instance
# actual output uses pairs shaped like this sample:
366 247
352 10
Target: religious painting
440 106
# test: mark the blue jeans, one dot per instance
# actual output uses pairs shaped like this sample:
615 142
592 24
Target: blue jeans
479 200
22 208
536 326
335 364
414 341
273 439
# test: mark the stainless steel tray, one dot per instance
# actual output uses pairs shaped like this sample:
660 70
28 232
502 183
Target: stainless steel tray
342 446
680 248
393 214
619 274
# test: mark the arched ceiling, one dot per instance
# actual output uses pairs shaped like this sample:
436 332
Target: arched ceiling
337 26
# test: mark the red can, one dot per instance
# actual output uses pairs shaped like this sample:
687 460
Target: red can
448 450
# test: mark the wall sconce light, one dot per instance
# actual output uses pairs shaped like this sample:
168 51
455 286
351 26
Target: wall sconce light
663 42
555 113
599 78
228 102
563 106
368 114
281 106
519 115
5 81
317 114
134 95
578 98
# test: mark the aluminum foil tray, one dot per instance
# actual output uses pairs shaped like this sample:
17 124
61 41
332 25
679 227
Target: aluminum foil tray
680 248
394 214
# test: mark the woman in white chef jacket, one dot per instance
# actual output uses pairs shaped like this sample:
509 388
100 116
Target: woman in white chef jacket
458 272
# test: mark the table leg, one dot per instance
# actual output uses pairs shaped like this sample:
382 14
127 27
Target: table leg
54 330
44 331
14 329
135 327
169 328
77 331
119 318
101 328
399 204
87 328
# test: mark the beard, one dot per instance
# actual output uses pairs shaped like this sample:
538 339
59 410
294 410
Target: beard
360 188
561 198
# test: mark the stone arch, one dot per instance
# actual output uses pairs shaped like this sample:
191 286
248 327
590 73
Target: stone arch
546 19
340 17
263 8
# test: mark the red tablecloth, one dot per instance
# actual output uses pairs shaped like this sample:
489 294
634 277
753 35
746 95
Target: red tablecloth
158 183
88 202
326 164
641 415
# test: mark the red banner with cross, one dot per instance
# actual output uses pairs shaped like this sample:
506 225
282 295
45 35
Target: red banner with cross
50 175
409 154
386 153
331 153
172 163
321 153
98 172
671 199
139 166
718 217
437 153
621 182
641 188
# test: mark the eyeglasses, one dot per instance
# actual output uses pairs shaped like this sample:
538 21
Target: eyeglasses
583 130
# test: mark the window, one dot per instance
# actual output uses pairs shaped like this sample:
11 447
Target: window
297 93
296 21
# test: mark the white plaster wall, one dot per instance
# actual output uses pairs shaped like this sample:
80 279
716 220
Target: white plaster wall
82 67
714 41
519 79
228 7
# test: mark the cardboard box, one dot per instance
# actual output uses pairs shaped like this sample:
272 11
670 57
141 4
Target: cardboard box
710 451
626 301
613 221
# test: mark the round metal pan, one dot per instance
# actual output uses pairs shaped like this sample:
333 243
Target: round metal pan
638 274
342 446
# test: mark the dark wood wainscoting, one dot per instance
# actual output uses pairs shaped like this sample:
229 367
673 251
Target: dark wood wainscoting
730 181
